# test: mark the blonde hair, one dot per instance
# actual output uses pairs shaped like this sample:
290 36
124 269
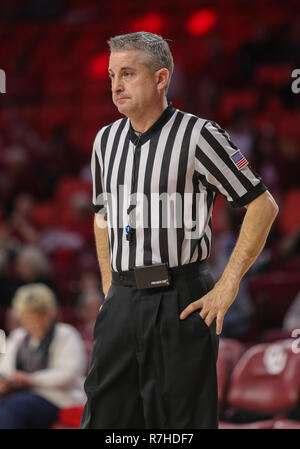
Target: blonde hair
33 298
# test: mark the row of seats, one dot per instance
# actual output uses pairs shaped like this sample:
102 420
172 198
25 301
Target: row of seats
259 385
262 380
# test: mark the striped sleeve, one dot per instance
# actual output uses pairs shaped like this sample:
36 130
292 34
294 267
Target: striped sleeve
221 167
98 202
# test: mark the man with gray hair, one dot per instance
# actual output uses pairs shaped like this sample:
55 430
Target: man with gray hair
154 355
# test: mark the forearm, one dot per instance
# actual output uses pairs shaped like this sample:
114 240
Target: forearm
53 378
103 253
257 222
253 234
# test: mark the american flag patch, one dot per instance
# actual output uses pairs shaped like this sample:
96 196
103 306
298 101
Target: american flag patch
239 160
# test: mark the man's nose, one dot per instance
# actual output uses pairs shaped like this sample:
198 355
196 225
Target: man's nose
117 85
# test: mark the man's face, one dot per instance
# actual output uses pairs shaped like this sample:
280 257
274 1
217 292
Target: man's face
133 83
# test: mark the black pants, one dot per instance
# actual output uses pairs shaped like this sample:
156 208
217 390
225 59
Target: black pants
149 369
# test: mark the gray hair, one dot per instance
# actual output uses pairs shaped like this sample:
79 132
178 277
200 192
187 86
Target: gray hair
33 298
151 44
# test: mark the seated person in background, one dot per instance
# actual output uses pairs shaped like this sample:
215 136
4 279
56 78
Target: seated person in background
89 303
44 364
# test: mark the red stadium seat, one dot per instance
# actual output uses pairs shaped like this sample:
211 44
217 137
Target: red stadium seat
266 424
266 380
69 418
290 215
286 424
223 370
234 100
44 214
273 74
67 187
229 353
272 335
234 349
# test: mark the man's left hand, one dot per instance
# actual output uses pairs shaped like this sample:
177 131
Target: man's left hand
214 304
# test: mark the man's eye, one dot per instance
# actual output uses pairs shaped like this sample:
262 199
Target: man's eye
127 73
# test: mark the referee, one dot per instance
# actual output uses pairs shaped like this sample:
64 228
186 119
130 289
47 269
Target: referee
156 174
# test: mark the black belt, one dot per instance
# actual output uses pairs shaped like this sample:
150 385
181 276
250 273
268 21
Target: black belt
128 277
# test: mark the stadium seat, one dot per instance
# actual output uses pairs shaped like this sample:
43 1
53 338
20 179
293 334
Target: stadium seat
266 424
67 187
286 424
290 215
69 418
272 335
265 382
234 349
223 370
44 214
230 351
232 101
273 74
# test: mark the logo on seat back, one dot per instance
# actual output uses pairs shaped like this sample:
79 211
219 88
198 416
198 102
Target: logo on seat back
275 358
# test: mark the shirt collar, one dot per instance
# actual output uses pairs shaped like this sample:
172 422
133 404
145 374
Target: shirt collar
160 122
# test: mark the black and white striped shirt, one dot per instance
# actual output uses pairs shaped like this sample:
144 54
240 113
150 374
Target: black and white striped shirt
164 184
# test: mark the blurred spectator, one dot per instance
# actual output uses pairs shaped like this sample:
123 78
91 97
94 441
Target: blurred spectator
10 321
15 165
89 304
32 266
88 307
205 100
240 314
80 220
6 284
289 164
89 281
20 222
242 133
44 364
56 158
266 158
290 244
262 46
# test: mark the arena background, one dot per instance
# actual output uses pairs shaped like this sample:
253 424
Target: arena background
234 63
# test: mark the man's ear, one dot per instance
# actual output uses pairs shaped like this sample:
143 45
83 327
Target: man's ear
162 77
